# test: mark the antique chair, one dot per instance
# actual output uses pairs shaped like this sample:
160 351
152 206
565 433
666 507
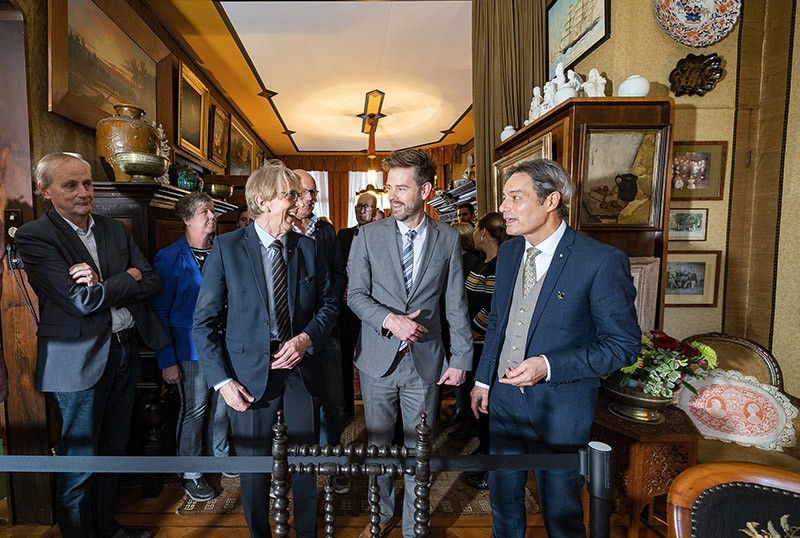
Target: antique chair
734 499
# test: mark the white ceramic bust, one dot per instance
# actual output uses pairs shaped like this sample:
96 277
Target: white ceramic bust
549 96
534 111
596 85
559 79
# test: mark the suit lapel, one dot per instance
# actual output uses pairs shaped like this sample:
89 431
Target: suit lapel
557 264
188 260
390 237
427 251
74 242
253 247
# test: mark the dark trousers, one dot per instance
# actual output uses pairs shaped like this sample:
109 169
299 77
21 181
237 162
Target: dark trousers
511 432
95 422
349 329
252 435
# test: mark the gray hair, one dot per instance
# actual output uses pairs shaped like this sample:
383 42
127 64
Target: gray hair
547 177
188 204
268 181
44 167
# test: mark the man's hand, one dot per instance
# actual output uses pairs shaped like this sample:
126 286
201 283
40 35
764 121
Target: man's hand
171 374
236 396
479 401
404 327
527 374
135 273
453 377
82 273
291 352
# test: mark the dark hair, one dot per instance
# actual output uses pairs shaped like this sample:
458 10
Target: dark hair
241 209
188 204
547 177
466 205
421 162
495 226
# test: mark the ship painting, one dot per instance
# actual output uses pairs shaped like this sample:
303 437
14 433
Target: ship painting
574 26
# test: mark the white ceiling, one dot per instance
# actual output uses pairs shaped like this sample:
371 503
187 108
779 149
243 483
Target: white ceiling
321 58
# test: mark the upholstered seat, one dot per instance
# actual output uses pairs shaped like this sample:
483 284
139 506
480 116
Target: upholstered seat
734 499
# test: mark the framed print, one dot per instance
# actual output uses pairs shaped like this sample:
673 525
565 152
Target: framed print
101 54
258 158
692 278
219 130
698 170
623 177
192 113
240 156
688 224
645 272
574 29
539 148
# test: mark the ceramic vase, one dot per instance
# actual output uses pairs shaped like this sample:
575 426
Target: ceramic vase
507 132
634 86
564 93
124 131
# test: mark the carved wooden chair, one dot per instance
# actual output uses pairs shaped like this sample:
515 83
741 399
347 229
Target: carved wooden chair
734 499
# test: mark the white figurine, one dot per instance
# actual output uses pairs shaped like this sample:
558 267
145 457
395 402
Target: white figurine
596 85
574 80
536 103
559 79
547 100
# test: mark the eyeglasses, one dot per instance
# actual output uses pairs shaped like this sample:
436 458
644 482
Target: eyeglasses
365 207
292 196
311 192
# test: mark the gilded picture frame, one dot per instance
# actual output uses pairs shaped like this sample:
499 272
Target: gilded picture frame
219 134
193 104
242 150
538 148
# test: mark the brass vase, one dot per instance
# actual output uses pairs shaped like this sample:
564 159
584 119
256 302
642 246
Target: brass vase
633 404
125 131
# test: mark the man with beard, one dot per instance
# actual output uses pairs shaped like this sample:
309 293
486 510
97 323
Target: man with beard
399 270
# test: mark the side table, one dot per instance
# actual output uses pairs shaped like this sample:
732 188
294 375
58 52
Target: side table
647 457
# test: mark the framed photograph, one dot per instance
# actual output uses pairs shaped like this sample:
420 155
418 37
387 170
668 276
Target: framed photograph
574 29
623 177
240 156
692 278
698 170
219 130
645 272
101 54
192 113
539 148
688 224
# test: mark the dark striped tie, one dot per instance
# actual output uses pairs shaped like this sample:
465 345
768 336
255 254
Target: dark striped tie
279 287
408 259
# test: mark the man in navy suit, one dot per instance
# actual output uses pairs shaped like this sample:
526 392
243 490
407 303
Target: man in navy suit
94 287
281 307
565 318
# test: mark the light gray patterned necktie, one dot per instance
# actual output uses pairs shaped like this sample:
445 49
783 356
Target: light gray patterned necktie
529 273
408 259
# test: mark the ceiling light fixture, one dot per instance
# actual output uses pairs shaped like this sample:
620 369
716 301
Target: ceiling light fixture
369 124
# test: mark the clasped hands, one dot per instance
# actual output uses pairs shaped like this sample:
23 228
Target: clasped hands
82 273
526 374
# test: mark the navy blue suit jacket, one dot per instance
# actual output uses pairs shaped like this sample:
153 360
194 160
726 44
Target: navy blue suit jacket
234 273
584 322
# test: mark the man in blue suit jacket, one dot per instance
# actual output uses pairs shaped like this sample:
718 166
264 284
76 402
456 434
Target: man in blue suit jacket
565 318
266 361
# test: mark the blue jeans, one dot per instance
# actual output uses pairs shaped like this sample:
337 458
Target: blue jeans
199 409
332 411
95 422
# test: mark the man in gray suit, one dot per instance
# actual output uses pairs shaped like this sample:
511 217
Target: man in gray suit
94 287
402 270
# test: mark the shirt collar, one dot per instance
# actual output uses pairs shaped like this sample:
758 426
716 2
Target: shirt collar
263 236
78 228
549 245
403 228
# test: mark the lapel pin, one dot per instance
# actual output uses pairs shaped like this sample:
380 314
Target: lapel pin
560 255
560 294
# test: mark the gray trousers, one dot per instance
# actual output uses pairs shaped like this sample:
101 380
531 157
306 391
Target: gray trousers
381 396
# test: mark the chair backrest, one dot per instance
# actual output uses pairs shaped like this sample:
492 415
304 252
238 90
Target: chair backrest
733 499
744 356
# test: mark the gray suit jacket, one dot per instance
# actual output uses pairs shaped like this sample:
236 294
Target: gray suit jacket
75 320
376 289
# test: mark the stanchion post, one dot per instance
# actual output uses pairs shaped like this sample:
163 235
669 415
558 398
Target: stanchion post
599 475
280 473
422 475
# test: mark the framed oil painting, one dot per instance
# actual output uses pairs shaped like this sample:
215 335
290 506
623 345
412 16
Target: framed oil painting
623 177
692 278
539 148
688 224
219 133
192 113
240 156
574 29
698 170
101 54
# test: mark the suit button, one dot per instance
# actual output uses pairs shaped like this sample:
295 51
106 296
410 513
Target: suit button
521 310
519 323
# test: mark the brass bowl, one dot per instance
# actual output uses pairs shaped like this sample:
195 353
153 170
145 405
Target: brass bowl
142 167
218 191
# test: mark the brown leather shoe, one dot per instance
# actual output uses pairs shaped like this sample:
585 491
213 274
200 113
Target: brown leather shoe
384 531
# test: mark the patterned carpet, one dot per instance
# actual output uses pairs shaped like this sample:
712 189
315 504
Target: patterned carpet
450 496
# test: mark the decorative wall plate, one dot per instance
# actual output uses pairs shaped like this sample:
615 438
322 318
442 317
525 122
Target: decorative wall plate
696 74
697 23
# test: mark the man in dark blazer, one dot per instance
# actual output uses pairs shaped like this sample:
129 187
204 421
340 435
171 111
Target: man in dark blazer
564 317
94 287
402 270
349 324
280 308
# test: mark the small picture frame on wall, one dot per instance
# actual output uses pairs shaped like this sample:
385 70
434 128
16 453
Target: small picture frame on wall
192 114
219 135
698 170
240 156
690 224
692 278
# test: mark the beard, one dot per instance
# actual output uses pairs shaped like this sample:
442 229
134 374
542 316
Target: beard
407 210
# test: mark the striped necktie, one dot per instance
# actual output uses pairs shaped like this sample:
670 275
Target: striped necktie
408 259
281 291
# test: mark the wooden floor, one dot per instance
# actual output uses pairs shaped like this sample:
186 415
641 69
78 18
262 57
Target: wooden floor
159 515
